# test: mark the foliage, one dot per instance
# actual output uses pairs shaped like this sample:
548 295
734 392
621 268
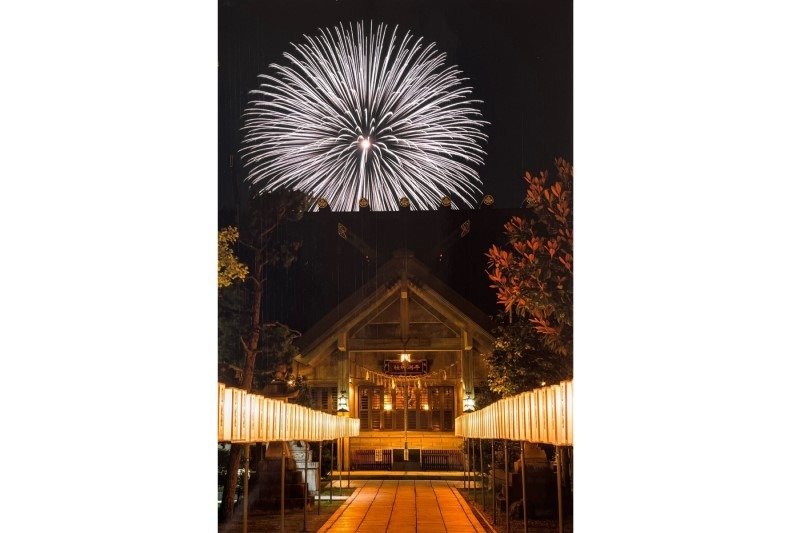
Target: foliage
485 395
532 275
519 361
275 355
233 317
229 269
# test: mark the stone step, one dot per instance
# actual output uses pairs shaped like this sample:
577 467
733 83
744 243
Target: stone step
398 474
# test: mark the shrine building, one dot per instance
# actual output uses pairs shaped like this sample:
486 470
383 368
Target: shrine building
403 355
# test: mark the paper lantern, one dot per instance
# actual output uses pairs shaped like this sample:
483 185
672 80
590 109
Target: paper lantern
520 431
220 412
237 428
552 438
569 400
263 421
533 415
281 411
561 413
542 415
227 415
244 419
255 417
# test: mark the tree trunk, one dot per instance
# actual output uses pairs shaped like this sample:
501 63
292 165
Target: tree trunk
251 346
250 351
229 490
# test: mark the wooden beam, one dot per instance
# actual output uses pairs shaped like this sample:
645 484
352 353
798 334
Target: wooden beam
396 345
444 308
366 312
467 337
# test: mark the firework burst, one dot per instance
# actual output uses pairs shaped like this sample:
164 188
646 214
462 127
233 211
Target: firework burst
361 113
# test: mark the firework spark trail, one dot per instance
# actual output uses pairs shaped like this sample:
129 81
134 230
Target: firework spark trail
356 115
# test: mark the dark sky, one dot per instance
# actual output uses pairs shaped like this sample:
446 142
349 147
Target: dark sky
517 55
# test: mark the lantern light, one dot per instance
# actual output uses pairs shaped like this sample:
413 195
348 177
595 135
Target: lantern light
248 418
469 403
227 415
341 405
220 412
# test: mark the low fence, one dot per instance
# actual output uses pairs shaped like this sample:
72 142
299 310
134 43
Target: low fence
442 460
371 460
437 460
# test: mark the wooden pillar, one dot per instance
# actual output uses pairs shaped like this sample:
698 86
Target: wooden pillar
343 387
467 367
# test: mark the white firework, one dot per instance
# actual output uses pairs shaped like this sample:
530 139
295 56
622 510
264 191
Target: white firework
357 114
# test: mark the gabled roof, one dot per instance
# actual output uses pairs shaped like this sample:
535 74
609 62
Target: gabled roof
374 296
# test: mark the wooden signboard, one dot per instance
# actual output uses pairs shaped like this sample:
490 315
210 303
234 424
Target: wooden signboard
405 368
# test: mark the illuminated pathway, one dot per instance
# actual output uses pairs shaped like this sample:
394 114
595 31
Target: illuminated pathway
426 506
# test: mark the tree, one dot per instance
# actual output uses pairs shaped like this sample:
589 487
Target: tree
532 275
264 214
229 269
519 361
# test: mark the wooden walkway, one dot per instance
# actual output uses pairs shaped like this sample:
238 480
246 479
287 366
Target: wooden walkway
402 506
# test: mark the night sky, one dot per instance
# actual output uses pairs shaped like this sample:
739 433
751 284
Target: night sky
517 55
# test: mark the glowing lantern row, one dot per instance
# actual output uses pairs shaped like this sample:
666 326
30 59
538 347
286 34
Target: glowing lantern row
543 415
244 417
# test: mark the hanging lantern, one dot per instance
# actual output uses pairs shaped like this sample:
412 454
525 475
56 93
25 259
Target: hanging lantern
469 402
341 404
